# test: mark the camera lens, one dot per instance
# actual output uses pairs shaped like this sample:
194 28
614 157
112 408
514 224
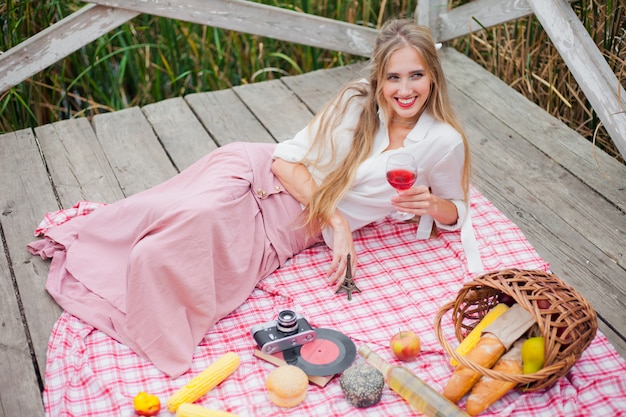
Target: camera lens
287 322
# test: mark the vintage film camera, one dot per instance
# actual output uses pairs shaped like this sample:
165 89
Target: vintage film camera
288 331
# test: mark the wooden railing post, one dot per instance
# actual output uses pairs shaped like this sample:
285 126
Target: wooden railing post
587 65
479 14
428 13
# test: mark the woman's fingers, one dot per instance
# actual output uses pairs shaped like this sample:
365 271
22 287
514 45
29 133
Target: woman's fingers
415 200
342 246
338 270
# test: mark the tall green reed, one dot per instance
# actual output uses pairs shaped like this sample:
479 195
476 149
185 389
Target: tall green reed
151 59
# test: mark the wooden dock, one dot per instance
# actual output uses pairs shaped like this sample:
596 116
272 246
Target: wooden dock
568 198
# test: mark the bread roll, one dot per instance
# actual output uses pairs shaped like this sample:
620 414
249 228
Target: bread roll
362 385
486 353
287 386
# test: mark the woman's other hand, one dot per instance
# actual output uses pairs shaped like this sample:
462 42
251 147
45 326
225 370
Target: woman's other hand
342 246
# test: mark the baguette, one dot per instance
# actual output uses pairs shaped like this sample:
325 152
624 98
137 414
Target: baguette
488 390
486 353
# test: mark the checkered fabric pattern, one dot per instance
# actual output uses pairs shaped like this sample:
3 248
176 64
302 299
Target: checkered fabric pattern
56 218
403 282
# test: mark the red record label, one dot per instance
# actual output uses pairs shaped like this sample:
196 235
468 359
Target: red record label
320 352
329 354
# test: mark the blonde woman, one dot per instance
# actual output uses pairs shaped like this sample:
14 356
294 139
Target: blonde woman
158 269
336 166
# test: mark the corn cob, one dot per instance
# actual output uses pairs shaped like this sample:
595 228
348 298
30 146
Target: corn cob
471 339
204 381
192 410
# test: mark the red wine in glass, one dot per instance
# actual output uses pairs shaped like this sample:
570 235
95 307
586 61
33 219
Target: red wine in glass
401 175
401 179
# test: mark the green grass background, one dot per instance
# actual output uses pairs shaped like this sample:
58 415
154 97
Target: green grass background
150 59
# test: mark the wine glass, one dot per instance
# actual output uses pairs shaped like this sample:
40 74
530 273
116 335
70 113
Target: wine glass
401 175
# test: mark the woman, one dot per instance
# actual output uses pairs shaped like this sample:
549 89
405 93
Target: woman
156 270
403 107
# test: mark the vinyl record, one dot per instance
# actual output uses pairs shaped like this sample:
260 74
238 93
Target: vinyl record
329 354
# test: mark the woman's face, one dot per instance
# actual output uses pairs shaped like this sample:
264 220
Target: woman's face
406 86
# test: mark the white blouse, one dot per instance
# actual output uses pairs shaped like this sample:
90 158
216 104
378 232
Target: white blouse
437 148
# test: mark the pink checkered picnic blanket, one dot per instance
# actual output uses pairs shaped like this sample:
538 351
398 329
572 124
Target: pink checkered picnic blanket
404 282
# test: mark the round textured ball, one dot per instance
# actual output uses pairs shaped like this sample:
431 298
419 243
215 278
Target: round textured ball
287 386
362 385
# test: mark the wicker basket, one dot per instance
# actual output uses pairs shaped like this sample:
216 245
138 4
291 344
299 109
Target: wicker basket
564 318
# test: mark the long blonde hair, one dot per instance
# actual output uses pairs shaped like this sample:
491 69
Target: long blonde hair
394 35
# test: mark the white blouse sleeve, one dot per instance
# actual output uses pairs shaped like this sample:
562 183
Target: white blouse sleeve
293 150
445 179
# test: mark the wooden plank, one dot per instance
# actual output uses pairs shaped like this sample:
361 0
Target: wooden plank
478 14
277 108
78 167
600 85
227 118
136 156
25 196
544 131
617 340
20 393
58 41
180 132
315 88
259 19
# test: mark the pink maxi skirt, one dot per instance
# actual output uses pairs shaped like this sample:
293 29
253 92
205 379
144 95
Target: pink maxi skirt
158 269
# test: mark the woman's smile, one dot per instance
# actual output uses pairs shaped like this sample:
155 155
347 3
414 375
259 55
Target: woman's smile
406 102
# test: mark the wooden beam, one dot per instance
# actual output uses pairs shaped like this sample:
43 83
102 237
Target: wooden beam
91 22
428 13
259 19
479 14
58 41
600 85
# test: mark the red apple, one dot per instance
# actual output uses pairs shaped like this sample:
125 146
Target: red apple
405 345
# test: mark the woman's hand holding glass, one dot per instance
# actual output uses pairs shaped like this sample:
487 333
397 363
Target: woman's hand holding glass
420 201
